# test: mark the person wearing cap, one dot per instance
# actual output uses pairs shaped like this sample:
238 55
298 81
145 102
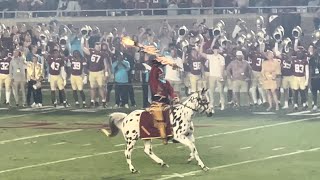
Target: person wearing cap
271 69
120 70
216 64
18 76
240 72
161 94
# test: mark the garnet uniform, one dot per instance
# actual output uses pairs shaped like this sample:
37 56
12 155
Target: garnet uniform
255 61
77 66
195 65
96 68
299 74
55 65
287 72
4 75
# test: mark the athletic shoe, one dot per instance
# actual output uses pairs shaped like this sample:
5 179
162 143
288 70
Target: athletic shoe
296 107
285 106
222 108
126 106
34 105
92 104
116 106
84 105
77 105
40 105
315 108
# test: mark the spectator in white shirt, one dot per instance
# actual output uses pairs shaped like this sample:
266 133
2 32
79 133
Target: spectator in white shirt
174 75
216 64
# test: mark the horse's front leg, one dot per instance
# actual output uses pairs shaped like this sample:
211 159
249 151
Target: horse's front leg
149 152
191 139
128 152
187 142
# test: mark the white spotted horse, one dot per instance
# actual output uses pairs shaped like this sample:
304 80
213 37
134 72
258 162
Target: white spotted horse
182 126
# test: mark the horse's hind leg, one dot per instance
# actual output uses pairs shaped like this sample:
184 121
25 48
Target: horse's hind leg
149 152
187 142
128 152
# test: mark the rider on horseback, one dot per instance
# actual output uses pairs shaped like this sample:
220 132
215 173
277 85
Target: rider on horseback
161 93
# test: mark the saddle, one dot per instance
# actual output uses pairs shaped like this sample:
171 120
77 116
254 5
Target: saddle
155 122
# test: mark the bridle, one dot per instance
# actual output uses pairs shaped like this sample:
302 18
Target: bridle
201 103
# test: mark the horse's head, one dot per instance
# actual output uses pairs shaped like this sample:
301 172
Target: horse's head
198 101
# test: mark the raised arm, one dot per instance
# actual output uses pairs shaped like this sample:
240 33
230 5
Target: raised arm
85 47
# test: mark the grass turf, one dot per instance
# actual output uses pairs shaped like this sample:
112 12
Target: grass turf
89 155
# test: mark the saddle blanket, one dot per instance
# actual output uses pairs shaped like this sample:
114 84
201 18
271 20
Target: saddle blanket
147 128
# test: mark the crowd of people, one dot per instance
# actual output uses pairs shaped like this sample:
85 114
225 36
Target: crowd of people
255 64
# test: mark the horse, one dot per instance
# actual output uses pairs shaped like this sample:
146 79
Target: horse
182 126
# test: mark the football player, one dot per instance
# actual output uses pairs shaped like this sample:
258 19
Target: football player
286 71
77 64
57 76
255 60
196 64
4 75
300 77
98 71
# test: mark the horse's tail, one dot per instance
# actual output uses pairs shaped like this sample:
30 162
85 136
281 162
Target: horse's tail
115 122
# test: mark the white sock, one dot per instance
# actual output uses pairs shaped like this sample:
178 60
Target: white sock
8 94
286 103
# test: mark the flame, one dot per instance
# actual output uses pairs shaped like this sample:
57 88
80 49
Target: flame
152 50
127 41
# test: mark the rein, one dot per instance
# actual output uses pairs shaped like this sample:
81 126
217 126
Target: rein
200 104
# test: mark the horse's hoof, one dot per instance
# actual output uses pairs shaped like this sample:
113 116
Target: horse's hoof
209 114
190 159
164 165
205 169
133 171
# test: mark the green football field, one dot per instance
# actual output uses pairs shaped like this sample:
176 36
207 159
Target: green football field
67 144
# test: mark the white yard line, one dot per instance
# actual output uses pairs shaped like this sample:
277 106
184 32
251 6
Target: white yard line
215 147
278 149
259 127
60 143
39 135
192 173
118 145
244 148
86 145
59 161
28 114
